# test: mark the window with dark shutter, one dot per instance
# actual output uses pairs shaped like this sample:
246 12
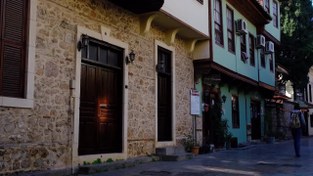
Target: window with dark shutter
243 47
218 23
230 29
251 50
271 62
12 48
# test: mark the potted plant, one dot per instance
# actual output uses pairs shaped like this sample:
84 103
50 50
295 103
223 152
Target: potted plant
195 149
190 144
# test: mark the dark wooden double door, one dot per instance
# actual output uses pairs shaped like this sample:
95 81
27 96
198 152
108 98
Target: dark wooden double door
100 123
209 100
255 120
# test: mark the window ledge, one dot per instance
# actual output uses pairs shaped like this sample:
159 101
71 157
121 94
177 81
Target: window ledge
16 102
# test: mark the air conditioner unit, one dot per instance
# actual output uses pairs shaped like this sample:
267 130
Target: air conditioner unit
241 27
269 47
260 41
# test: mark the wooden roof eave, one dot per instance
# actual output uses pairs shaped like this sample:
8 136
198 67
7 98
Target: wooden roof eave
252 10
139 6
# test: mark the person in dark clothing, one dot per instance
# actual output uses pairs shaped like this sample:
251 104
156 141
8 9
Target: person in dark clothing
296 122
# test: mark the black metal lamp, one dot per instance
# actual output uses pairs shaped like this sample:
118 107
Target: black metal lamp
83 42
131 57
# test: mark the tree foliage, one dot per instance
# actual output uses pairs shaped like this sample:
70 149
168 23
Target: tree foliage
296 50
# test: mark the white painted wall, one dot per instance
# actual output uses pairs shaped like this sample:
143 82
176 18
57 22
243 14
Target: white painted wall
190 12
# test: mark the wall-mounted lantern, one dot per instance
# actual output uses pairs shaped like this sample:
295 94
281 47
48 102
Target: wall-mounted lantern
131 57
83 42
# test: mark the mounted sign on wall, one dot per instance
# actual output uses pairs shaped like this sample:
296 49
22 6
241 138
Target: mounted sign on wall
195 102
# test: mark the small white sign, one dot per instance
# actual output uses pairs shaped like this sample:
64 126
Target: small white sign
194 102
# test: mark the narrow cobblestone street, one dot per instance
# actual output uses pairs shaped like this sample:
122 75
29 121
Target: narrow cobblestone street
260 159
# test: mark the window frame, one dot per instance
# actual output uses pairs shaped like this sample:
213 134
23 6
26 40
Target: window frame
230 29
101 46
27 101
243 45
13 49
252 49
218 25
271 62
173 71
275 14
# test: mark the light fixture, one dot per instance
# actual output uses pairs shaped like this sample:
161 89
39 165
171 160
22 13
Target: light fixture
131 57
83 42
224 98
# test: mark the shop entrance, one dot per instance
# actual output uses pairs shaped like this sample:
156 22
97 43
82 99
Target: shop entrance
255 120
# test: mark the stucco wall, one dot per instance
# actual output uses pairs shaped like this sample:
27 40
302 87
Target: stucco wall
41 138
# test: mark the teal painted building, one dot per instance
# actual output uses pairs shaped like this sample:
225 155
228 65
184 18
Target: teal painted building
241 67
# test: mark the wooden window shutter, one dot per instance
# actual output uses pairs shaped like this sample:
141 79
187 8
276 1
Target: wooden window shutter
13 47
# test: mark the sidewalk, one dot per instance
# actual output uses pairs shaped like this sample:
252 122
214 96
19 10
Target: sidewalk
260 159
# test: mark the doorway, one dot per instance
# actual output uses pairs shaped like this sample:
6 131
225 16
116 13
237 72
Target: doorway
164 85
255 120
210 98
100 113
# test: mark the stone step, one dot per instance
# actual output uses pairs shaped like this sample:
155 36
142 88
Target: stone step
177 157
96 168
172 153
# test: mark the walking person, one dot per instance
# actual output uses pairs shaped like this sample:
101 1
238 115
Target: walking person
296 124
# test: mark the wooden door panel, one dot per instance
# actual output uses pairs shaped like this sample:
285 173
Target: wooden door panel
88 120
109 111
164 109
100 110
88 143
104 130
101 98
109 134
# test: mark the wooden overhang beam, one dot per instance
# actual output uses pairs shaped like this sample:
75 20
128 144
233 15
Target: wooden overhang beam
139 6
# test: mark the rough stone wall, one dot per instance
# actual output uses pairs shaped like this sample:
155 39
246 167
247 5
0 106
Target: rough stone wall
41 138
142 92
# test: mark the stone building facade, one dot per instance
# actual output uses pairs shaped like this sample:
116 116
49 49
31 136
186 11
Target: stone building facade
44 135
